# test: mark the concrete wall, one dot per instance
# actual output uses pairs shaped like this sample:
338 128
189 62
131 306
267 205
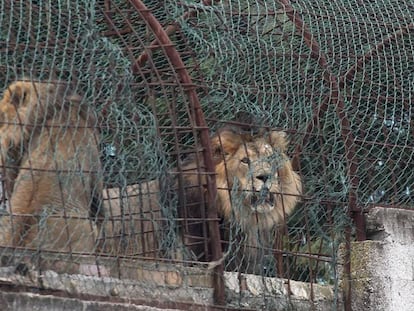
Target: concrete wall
24 301
383 266
164 286
382 278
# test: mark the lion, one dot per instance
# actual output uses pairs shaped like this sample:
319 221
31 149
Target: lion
257 189
50 162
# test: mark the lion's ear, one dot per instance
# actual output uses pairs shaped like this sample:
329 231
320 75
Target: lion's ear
74 97
217 150
17 93
279 140
224 143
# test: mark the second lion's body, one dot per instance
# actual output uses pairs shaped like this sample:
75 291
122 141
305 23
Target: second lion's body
50 157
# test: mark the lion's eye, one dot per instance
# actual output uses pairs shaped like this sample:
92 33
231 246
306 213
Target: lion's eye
245 160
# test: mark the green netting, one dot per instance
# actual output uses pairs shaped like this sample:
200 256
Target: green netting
336 76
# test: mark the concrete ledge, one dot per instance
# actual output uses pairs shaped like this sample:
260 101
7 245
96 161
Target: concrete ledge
247 290
391 225
167 283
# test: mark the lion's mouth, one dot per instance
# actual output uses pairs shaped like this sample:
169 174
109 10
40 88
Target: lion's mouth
262 201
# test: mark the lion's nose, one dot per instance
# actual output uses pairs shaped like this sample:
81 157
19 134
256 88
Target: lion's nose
263 177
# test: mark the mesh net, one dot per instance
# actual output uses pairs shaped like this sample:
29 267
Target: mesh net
335 76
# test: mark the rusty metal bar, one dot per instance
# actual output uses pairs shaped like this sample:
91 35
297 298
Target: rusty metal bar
169 30
188 86
336 99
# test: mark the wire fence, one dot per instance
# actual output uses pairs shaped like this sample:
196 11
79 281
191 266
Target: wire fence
246 136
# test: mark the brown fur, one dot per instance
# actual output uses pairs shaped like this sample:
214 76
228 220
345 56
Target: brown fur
51 166
134 220
256 189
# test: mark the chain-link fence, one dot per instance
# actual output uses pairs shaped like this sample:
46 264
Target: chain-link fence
240 136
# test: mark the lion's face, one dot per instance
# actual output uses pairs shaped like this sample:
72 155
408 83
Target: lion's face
253 170
255 179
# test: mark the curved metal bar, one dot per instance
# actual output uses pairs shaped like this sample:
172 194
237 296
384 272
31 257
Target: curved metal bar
189 88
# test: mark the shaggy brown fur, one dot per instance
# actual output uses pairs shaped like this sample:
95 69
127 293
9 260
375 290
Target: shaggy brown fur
51 166
256 189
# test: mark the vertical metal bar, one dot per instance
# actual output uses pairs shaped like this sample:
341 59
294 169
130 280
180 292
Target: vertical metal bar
188 87
337 100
